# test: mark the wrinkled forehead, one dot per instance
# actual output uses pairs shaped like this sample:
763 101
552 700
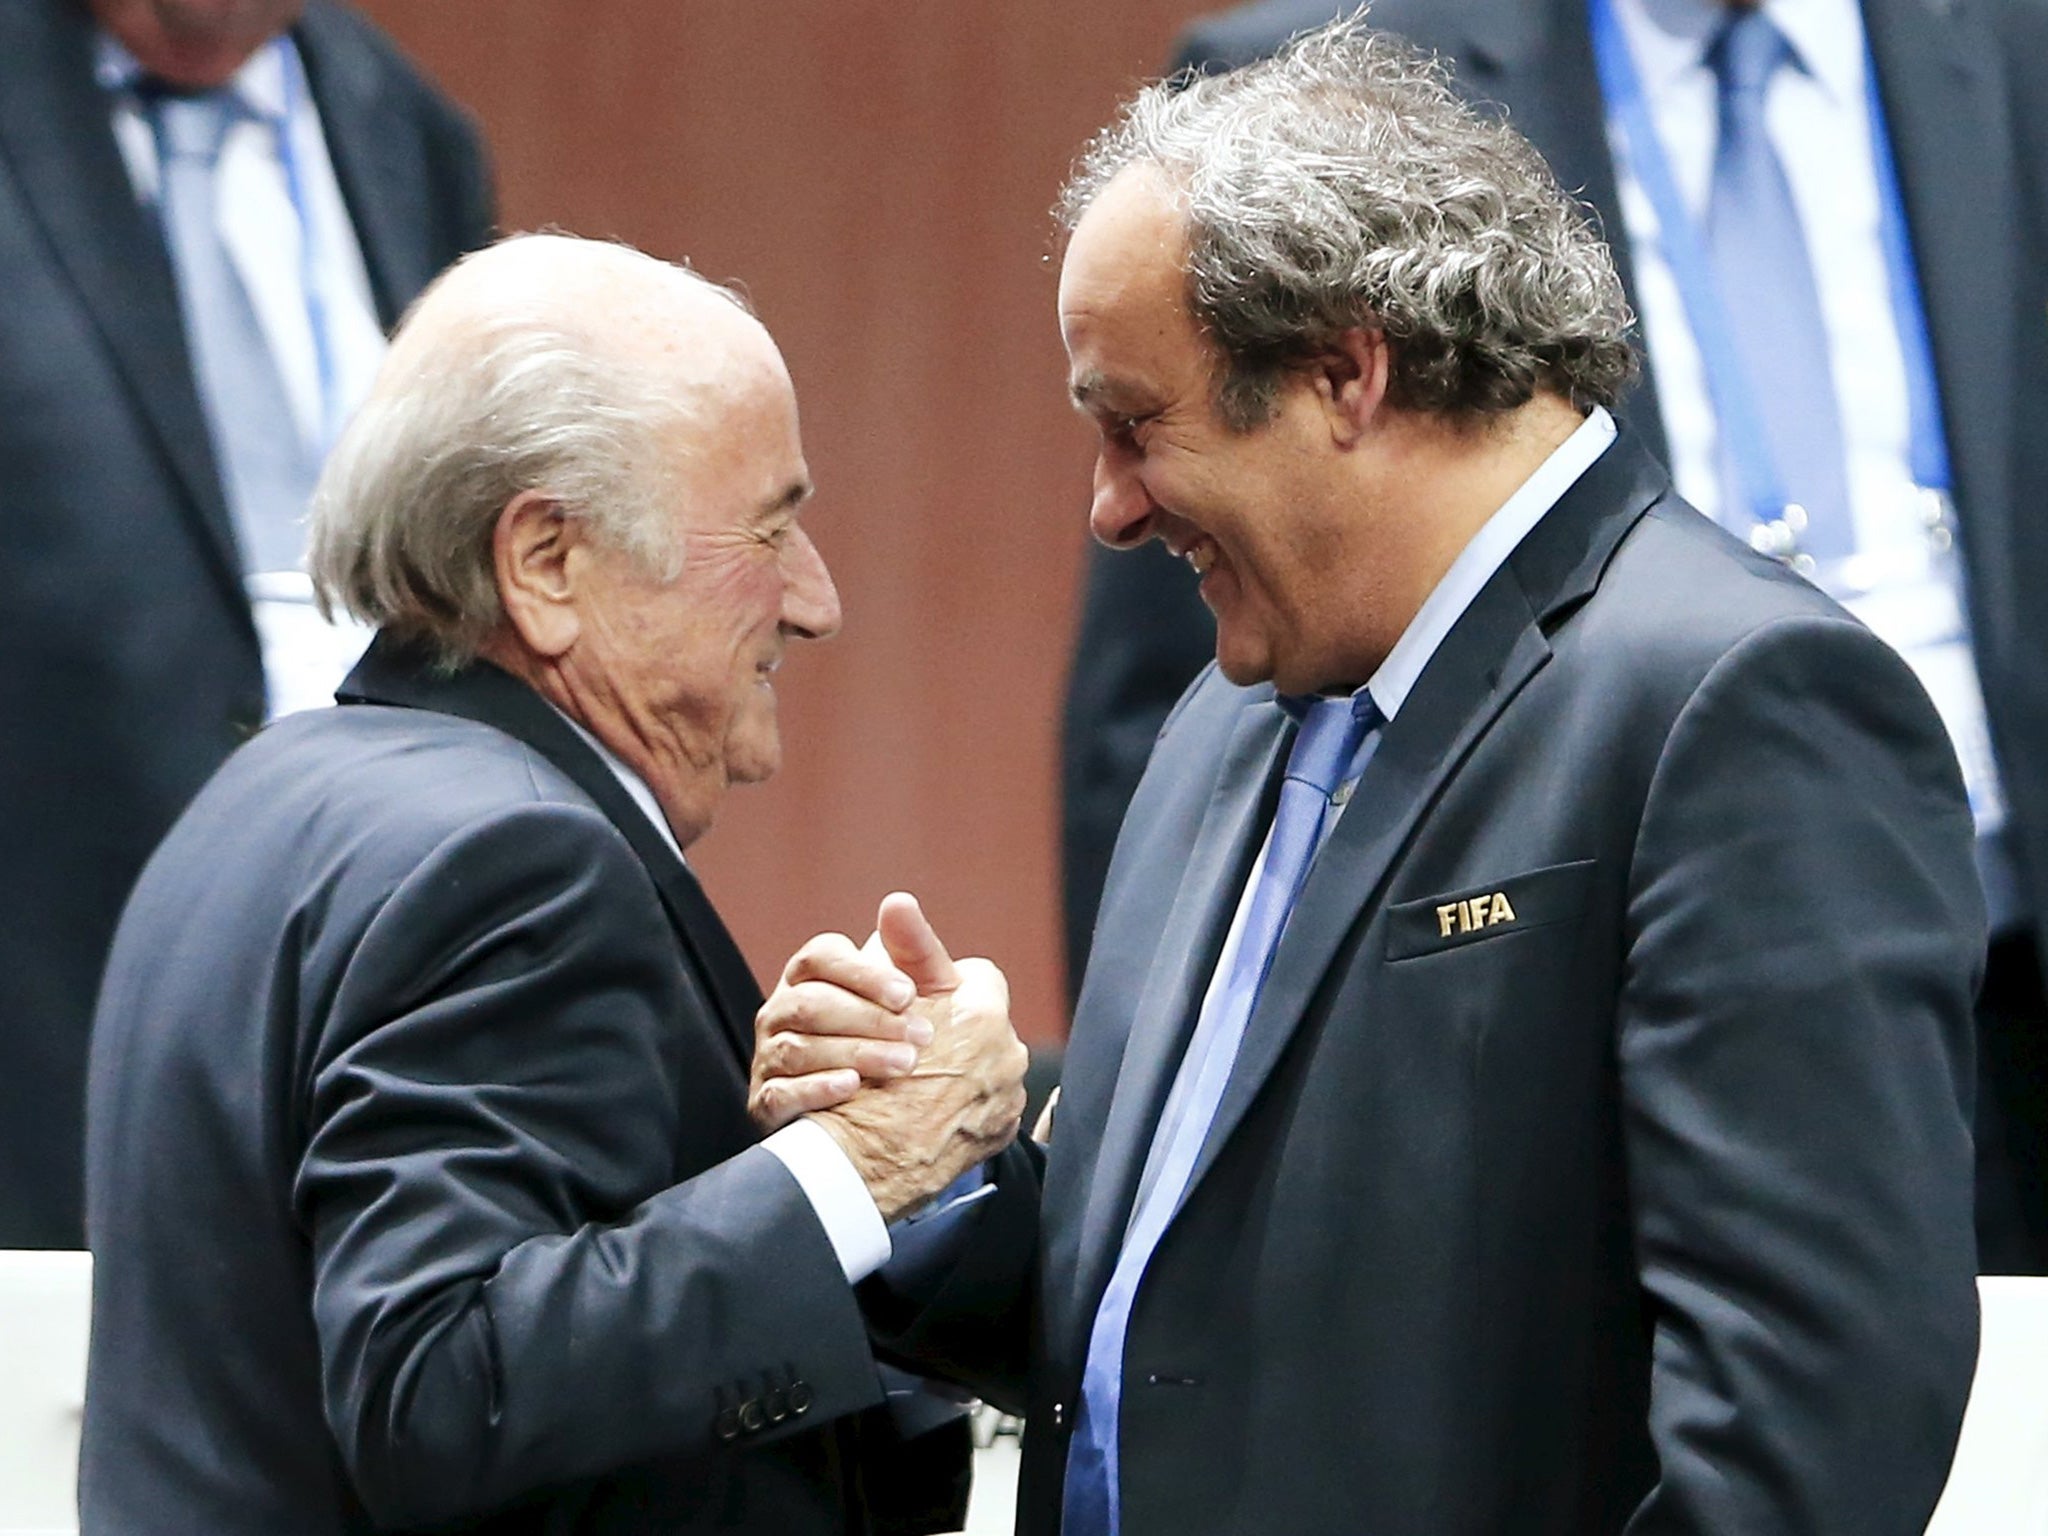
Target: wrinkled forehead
674 317
727 373
1131 339
738 444
1130 246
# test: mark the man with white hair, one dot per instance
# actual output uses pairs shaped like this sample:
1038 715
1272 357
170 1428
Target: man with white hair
421 1180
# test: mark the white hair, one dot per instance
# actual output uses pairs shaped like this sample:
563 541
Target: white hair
523 398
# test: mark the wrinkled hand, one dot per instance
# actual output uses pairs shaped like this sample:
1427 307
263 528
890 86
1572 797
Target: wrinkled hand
839 1016
909 1133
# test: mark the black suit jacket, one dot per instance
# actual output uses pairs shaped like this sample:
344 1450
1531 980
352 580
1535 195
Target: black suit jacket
1641 1201
1967 106
133 666
421 1185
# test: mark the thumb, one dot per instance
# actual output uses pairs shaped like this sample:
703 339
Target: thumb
906 934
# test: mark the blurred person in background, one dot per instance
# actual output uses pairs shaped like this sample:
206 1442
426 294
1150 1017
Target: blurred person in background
1850 204
210 213
422 1184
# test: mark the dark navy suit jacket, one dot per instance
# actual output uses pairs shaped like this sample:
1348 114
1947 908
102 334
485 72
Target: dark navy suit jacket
1642 1204
420 1181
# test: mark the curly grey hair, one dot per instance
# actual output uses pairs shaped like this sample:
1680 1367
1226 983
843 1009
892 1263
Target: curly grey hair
1341 183
404 515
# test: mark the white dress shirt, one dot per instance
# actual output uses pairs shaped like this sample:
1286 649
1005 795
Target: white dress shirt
276 245
265 237
1817 112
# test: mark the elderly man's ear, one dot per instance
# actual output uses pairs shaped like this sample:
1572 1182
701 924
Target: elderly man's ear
535 550
1350 381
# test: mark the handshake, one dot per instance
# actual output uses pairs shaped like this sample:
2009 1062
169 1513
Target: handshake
903 1054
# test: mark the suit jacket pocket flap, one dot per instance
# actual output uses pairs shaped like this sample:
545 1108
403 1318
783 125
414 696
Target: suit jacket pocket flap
1533 900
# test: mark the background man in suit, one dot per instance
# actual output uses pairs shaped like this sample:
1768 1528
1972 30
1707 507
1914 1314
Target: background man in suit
210 211
421 1184
1958 130
1522 1079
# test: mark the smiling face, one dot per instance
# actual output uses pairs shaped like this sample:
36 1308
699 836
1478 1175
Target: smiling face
676 675
1267 517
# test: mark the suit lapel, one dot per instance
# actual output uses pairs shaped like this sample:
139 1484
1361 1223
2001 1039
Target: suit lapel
56 131
1948 117
1483 663
1536 60
391 673
1491 652
1210 884
383 176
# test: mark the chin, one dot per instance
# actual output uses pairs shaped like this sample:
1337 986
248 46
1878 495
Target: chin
1244 674
1245 665
751 759
753 737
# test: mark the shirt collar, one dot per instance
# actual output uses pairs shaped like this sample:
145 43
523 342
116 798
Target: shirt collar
1828 37
1484 554
633 783
1669 39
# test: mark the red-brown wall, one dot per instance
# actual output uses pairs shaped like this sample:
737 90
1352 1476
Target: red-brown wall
878 176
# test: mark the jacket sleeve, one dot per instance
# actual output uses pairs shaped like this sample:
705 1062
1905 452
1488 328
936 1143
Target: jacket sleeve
970 1320
1804 939
509 1288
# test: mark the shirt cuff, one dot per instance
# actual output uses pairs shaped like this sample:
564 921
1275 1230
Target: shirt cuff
925 1244
970 1187
837 1193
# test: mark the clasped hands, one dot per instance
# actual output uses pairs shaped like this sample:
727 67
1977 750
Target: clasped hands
903 1054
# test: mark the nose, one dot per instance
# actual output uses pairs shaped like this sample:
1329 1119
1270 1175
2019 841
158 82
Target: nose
810 602
1121 514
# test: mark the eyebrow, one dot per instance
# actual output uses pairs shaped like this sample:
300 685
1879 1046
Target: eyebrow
793 495
1094 391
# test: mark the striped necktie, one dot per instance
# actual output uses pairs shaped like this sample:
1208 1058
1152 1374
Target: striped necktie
267 470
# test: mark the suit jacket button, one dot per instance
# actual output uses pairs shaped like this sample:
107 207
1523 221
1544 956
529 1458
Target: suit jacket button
727 1425
799 1398
777 1403
752 1418
1059 1415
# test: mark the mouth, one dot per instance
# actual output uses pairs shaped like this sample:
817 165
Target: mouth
1201 556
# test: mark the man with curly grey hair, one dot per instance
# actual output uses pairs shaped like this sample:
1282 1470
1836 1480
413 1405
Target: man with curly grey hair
1824 213
1521 1081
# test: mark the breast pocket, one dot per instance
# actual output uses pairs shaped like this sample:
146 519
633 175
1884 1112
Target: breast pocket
1540 898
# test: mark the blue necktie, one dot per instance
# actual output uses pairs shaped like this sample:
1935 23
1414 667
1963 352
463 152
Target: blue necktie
1760 261
267 469
1331 730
